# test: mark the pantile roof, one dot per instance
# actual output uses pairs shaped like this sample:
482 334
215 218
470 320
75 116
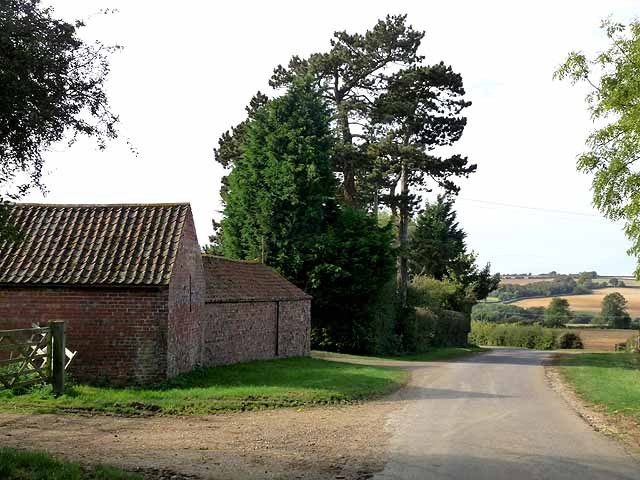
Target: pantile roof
239 281
92 245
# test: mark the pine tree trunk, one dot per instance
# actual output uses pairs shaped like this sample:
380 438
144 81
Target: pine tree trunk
376 204
403 236
348 167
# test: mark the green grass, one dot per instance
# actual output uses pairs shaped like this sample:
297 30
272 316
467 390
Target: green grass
437 354
491 300
248 386
21 465
609 380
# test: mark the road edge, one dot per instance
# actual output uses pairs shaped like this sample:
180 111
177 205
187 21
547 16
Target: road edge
618 427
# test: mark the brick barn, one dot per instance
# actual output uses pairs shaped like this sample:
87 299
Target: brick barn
140 301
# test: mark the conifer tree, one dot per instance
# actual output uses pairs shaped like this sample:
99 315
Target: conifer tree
282 184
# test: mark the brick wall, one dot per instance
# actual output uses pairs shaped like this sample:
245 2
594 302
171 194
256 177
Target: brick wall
186 305
240 332
294 327
119 333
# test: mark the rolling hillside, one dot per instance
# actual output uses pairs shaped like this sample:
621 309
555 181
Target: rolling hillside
590 302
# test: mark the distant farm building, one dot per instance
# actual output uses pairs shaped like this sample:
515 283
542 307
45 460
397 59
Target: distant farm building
140 301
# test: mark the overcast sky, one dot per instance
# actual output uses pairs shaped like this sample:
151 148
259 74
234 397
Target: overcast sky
189 68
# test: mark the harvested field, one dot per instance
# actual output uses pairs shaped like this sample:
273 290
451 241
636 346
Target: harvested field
603 339
591 302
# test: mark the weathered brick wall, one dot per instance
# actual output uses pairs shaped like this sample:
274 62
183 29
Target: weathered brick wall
186 305
294 328
119 333
240 332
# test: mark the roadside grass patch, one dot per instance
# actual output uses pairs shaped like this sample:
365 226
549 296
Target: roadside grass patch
287 382
22 465
608 380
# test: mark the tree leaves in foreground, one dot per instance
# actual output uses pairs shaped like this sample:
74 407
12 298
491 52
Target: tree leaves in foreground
51 89
613 79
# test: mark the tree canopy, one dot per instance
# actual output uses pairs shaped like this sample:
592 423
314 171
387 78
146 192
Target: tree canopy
613 79
280 207
437 249
557 313
437 240
51 89
419 112
614 311
351 75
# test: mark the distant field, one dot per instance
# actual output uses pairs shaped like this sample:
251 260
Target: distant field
591 302
603 339
629 281
523 281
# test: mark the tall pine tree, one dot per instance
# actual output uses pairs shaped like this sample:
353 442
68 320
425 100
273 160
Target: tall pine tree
420 111
351 75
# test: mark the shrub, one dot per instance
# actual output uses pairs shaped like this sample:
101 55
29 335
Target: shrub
430 293
510 335
633 344
569 340
427 329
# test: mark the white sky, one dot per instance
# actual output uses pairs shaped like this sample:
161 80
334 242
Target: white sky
190 67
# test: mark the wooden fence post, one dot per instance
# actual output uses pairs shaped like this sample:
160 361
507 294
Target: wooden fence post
59 357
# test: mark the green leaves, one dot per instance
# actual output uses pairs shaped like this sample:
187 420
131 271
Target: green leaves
557 313
281 187
614 311
51 89
614 148
350 75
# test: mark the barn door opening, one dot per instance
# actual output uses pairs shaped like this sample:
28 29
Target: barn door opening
277 329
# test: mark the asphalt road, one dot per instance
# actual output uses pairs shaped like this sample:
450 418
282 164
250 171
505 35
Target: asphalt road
493 416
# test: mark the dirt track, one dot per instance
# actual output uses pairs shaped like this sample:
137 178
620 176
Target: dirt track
317 443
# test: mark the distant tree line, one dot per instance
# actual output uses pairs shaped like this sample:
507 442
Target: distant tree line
560 285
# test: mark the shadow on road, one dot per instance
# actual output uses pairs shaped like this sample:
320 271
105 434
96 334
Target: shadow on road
408 467
412 392
510 357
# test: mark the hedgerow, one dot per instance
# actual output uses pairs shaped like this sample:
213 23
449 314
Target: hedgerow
523 336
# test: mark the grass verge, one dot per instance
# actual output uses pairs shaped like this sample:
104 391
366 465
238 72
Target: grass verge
248 386
22 465
437 354
610 381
